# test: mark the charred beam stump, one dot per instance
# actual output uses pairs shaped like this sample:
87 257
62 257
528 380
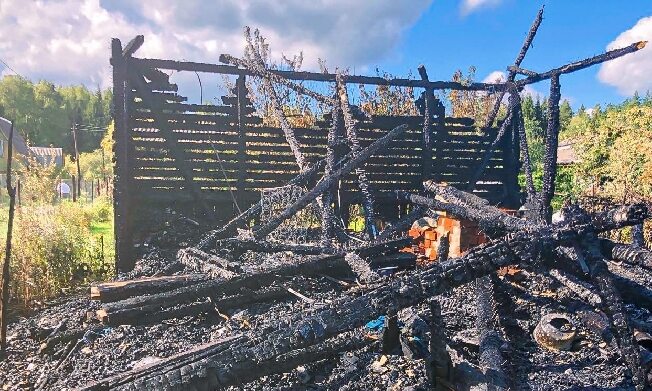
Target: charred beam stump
490 341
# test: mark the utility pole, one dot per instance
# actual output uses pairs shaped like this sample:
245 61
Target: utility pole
74 140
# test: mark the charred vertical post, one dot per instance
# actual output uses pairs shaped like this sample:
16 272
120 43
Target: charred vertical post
638 236
241 94
4 286
352 136
479 171
429 106
525 151
511 158
550 158
327 214
121 191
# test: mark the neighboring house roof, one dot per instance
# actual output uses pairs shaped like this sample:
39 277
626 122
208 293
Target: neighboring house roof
566 153
19 144
48 155
47 151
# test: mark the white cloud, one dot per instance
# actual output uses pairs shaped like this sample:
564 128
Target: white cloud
501 76
469 6
68 41
632 72
495 77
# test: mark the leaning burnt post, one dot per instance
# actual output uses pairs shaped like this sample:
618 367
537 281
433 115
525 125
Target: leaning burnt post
354 142
517 63
4 297
550 158
258 63
439 365
479 171
326 182
327 214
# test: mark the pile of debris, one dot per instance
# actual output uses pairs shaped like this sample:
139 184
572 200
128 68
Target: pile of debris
260 314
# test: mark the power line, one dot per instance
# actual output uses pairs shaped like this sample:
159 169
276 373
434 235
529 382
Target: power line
10 68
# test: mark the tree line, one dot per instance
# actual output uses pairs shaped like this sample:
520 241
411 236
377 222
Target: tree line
44 113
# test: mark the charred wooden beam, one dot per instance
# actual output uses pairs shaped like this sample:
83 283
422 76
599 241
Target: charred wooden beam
354 143
133 46
200 261
316 76
327 212
620 217
583 290
275 78
361 268
107 292
585 63
514 98
440 365
326 182
117 315
428 112
525 152
230 228
638 235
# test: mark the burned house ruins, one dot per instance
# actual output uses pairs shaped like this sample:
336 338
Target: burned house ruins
257 282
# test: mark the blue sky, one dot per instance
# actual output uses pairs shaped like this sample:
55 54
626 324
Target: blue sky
68 41
490 37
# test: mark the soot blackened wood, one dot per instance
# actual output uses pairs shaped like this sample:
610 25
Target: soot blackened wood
429 107
230 228
582 289
171 140
403 224
118 290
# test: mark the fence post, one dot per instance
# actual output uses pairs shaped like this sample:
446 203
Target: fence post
74 189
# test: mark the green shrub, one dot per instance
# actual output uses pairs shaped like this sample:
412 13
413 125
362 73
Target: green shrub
53 250
101 209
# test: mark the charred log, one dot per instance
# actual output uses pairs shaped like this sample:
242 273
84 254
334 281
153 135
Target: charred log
118 290
490 341
627 253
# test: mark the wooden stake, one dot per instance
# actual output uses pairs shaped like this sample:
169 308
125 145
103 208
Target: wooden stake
4 302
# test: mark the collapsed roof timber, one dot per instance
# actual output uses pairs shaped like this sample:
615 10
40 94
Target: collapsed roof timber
273 304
